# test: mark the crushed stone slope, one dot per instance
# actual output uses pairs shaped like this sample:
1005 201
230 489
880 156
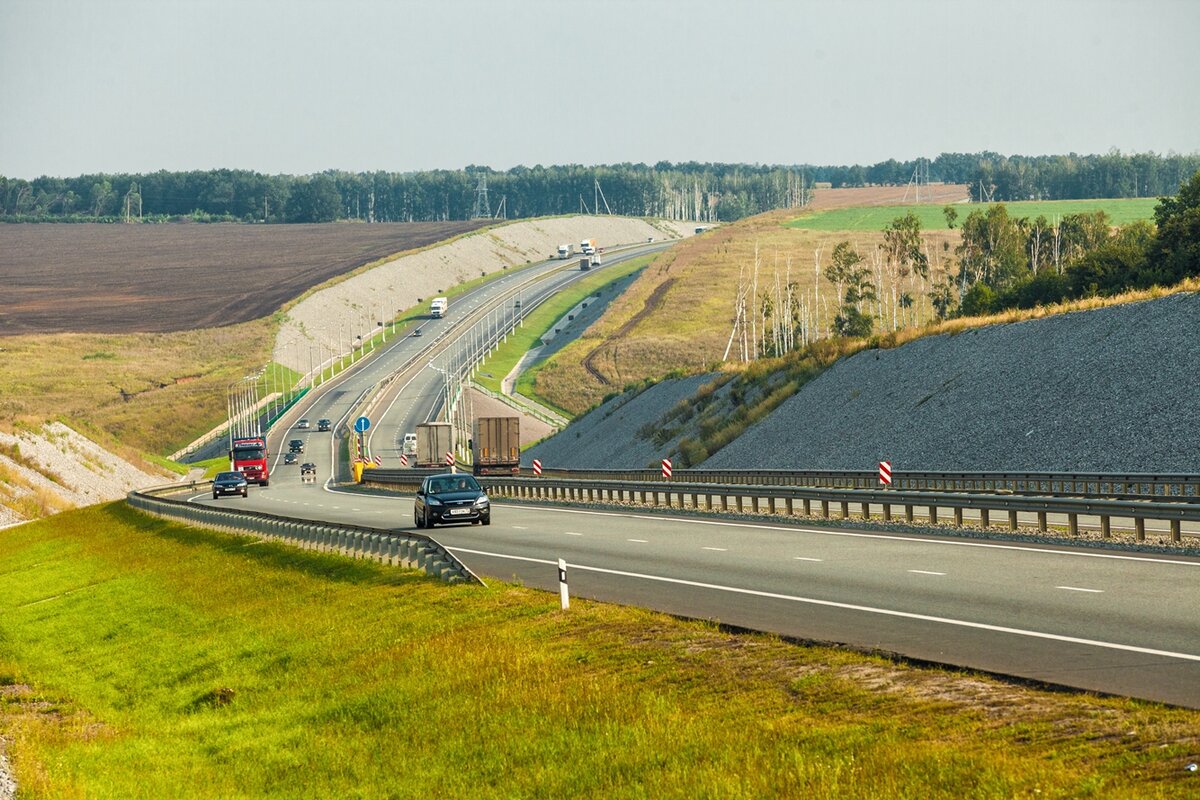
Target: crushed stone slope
608 436
1108 390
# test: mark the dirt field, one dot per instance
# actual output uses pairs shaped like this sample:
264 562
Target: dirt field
177 277
936 193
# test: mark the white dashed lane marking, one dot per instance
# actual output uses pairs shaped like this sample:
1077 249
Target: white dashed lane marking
925 572
805 558
639 541
571 533
1077 589
520 528
718 549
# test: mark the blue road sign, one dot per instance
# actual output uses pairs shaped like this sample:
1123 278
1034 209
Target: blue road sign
361 424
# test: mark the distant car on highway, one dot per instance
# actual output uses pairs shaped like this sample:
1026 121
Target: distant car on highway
229 483
451 497
416 332
308 472
302 423
324 425
296 446
290 458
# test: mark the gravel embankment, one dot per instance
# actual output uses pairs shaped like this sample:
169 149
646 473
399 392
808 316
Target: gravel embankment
332 317
1110 390
607 437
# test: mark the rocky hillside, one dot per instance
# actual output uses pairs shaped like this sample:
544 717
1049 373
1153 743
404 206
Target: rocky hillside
1109 390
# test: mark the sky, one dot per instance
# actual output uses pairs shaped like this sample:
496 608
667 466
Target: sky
302 86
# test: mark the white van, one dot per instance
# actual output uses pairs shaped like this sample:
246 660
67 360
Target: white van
410 444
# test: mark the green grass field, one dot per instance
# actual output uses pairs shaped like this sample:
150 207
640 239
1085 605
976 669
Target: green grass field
144 659
876 218
543 318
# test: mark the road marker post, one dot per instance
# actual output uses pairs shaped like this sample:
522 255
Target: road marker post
564 597
666 466
537 468
450 460
885 473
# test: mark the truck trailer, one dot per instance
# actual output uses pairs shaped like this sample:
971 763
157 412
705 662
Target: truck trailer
565 251
496 445
588 246
434 441
438 308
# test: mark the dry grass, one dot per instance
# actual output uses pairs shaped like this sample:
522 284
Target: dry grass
147 392
690 328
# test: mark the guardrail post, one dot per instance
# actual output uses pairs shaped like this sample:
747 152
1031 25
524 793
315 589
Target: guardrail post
1042 521
754 503
1139 526
825 509
866 510
887 511
807 506
1012 520
738 499
984 520
724 502
789 506
1105 532
1073 524
845 509
933 520
958 517
1175 531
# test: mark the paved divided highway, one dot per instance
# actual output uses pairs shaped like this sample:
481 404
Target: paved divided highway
1114 622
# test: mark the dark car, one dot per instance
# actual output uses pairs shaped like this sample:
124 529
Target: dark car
451 497
296 446
229 483
308 472
290 458
417 332
324 425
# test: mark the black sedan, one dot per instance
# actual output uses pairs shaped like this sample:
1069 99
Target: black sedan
296 446
324 425
451 497
290 458
229 483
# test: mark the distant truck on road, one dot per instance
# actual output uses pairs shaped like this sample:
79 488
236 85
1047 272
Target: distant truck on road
588 247
248 456
585 263
565 251
438 308
434 440
496 445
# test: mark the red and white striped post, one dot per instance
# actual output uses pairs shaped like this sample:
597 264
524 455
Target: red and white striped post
450 460
666 464
403 460
537 468
885 473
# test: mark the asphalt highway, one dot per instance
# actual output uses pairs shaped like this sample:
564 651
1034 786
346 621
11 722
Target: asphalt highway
1107 621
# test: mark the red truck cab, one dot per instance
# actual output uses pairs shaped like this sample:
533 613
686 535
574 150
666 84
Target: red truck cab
249 457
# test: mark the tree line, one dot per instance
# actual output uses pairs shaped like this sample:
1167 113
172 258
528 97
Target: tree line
703 192
1006 262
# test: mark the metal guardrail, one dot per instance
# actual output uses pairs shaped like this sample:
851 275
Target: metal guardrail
1129 486
775 499
412 550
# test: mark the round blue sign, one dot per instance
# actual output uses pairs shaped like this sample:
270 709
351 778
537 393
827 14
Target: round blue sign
361 424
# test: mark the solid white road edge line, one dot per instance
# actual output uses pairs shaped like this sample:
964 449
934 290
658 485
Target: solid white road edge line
848 606
863 535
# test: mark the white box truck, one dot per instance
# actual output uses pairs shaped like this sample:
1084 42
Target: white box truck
437 309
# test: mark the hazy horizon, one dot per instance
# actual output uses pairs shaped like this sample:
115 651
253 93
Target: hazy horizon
302 87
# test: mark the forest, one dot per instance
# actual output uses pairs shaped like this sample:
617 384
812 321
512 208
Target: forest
703 192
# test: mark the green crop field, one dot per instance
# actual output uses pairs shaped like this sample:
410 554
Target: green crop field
141 658
876 218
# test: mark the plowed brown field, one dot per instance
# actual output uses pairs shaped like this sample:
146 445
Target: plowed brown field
177 277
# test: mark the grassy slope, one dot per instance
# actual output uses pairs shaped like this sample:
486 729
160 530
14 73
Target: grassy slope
690 329
544 316
1120 212
350 679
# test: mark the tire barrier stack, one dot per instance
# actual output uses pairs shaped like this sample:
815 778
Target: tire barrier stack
411 550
